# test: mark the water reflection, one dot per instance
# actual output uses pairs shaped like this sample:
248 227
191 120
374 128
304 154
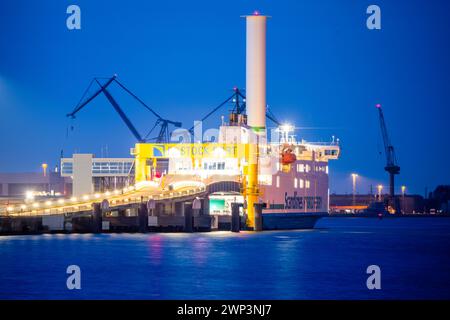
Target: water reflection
328 263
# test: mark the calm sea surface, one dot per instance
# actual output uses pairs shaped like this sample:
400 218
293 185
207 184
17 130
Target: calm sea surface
326 263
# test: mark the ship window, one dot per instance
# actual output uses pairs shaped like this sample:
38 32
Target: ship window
330 152
302 183
278 181
326 169
307 184
300 167
296 183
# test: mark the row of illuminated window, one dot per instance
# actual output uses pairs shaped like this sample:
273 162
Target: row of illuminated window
298 183
210 165
101 167
66 167
301 167
214 166
331 152
112 167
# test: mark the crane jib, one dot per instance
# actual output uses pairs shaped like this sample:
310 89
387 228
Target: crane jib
163 133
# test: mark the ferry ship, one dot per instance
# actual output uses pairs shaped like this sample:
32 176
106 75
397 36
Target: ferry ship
249 163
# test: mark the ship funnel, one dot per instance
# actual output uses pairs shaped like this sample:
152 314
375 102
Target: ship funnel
256 72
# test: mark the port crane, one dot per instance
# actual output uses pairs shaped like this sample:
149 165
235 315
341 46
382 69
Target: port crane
391 161
163 124
238 100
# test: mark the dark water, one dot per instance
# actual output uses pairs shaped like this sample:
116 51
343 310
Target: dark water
327 263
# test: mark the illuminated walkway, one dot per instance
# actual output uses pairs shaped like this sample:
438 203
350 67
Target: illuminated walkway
130 195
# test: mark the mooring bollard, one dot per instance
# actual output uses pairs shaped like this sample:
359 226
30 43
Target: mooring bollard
96 218
235 217
143 217
188 218
258 216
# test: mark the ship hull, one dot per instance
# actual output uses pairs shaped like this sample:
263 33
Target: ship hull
290 221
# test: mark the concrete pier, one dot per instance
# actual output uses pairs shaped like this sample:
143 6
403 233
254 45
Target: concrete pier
188 217
235 218
258 216
143 217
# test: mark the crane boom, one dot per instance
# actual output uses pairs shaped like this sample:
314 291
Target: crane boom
163 135
82 105
239 108
175 123
123 115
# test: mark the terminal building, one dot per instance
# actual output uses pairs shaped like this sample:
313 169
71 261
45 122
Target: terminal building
88 174
17 185
82 174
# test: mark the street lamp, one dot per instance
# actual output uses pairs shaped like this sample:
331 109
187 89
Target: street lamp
403 198
380 188
354 176
44 168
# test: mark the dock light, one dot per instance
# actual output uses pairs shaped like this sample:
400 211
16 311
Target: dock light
354 176
97 195
85 197
29 195
61 201
380 188
23 207
285 129
9 208
48 203
35 205
44 168
107 193
73 199
116 191
403 199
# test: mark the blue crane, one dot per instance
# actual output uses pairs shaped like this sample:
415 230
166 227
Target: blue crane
238 100
163 134
391 161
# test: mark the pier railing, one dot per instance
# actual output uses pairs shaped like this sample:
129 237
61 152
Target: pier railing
70 206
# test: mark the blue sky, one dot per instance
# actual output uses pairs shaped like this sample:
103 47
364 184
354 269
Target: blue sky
325 70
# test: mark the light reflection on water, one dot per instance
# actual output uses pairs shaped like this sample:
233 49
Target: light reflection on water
326 263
